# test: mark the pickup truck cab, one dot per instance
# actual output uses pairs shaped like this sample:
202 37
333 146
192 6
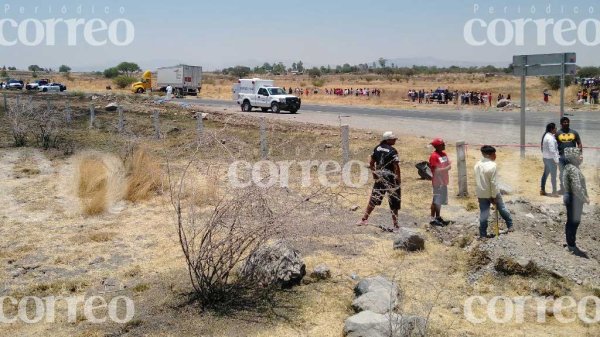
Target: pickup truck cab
251 93
36 84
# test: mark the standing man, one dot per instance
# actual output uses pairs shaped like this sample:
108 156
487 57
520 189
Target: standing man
566 137
169 92
488 193
385 167
440 165
575 196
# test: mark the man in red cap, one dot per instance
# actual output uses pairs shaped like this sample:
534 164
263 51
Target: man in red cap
440 165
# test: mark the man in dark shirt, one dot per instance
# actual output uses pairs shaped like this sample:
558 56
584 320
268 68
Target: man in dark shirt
385 167
566 137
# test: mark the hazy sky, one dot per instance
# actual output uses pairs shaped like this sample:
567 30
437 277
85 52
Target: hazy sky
215 34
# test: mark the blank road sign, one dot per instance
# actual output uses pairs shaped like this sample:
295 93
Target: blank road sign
545 70
522 60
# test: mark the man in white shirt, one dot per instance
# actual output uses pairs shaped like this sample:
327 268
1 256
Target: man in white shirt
488 192
169 92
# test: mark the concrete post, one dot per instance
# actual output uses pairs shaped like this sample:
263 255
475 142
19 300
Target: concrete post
461 158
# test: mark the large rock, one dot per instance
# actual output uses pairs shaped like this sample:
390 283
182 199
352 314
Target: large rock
409 240
379 302
370 324
373 284
376 294
275 264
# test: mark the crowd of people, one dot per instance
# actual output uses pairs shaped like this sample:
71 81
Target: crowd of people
353 92
561 150
444 96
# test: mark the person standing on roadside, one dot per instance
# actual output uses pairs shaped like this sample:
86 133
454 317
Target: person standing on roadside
488 192
440 165
575 196
385 166
566 137
551 158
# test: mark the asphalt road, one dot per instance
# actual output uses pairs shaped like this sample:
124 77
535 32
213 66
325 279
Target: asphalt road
584 122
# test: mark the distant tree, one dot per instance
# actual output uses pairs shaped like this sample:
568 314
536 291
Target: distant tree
314 72
553 82
34 68
123 81
111 72
267 67
300 66
64 69
588 72
294 66
3 73
278 68
12 68
127 68
382 62
239 71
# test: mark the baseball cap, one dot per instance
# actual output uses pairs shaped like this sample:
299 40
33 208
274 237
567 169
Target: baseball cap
388 135
437 142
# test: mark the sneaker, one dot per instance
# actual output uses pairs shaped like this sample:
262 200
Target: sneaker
444 222
508 230
362 223
577 252
436 222
543 193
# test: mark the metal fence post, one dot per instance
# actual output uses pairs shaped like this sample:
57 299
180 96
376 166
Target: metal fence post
5 104
156 125
264 150
121 124
92 116
199 125
69 118
345 132
461 158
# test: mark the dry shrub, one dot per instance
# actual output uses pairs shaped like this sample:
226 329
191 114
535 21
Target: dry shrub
93 186
99 182
144 176
102 236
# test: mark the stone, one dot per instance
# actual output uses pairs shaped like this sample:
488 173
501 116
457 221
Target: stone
321 272
354 208
328 146
380 301
275 264
409 240
370 324
374 284
111 107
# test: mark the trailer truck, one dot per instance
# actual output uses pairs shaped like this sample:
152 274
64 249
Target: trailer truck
185 80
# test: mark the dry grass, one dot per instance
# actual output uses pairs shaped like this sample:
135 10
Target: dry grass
144 177
93 186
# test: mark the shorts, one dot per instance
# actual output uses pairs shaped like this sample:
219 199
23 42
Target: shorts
440 195
380 188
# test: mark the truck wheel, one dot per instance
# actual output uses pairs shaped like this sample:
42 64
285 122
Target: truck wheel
139 91
264 109
275 107
293 111
45 90
246 107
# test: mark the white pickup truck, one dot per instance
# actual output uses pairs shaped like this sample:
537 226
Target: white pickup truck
250 93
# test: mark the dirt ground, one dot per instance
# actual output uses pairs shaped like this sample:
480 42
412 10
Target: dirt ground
49 246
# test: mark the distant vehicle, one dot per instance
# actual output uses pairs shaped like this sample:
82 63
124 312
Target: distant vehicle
185 80
35 84
442 96
14 85
250 93
52 87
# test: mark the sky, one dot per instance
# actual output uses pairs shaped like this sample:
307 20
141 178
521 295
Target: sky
217 34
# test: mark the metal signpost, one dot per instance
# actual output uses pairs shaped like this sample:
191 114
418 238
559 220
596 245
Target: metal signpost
561 64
